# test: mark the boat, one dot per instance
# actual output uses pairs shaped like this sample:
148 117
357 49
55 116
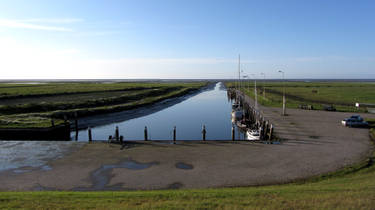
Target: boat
252 135
235 105
241 124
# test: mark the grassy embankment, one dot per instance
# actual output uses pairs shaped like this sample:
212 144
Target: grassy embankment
342 95
25 106
350 188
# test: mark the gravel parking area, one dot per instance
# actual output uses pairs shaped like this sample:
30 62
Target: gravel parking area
314 143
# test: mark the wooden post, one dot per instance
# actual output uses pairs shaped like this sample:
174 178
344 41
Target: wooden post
90 135
76 120
117 134
204 133
145 132
121 139
109 138
233 133
271 132
76 127
174 135
266 130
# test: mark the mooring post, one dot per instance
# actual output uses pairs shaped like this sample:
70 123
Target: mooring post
76 124
146 137
174 135
76 120
233 133
266 130
121 139
204 133
117 134
271 132
109 138
90 136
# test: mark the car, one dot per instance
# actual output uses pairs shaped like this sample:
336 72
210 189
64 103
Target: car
330 108
356 117
354 121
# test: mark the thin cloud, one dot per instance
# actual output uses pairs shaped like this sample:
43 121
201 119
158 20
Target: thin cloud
23 25
52 20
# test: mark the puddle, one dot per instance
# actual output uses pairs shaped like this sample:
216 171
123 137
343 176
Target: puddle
184 166
46 168
176 185
314 137
35 154
101 176
20 171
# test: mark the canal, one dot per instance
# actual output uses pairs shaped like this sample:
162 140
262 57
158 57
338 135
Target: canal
210 108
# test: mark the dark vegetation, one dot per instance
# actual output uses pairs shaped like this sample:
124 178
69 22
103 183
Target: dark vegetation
33 106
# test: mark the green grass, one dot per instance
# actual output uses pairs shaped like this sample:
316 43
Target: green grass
23 90
350 188
33 106
343 95
27 121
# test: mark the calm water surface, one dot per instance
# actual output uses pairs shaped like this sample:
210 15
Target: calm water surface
210 108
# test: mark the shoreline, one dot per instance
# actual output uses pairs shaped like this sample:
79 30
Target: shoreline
108 118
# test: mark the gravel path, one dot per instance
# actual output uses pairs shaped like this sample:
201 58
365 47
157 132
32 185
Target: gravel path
315 143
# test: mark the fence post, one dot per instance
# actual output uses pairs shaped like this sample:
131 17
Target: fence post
90 136
174 135
204 133
145 132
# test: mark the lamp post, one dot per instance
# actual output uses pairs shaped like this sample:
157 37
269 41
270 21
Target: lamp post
284 111
255 92
264 84
248 82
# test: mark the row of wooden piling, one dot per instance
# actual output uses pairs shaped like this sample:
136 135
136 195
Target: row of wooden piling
118 138
254 116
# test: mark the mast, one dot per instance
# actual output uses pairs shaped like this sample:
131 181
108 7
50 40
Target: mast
239 71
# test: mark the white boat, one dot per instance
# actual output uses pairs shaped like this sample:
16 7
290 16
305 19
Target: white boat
252 135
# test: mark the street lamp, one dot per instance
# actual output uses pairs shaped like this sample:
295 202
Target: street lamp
264 85
284 111
248 85
255 92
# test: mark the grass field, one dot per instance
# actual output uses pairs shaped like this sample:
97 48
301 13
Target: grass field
350 188
342 95
33 106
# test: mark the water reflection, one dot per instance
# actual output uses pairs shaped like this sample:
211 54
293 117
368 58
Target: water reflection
210 108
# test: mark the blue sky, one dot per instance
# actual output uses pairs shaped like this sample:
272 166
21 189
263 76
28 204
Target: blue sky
186 39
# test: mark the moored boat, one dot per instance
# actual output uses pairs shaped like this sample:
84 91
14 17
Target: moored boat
252 135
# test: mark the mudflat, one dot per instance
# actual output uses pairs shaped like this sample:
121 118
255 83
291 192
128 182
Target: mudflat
314 142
